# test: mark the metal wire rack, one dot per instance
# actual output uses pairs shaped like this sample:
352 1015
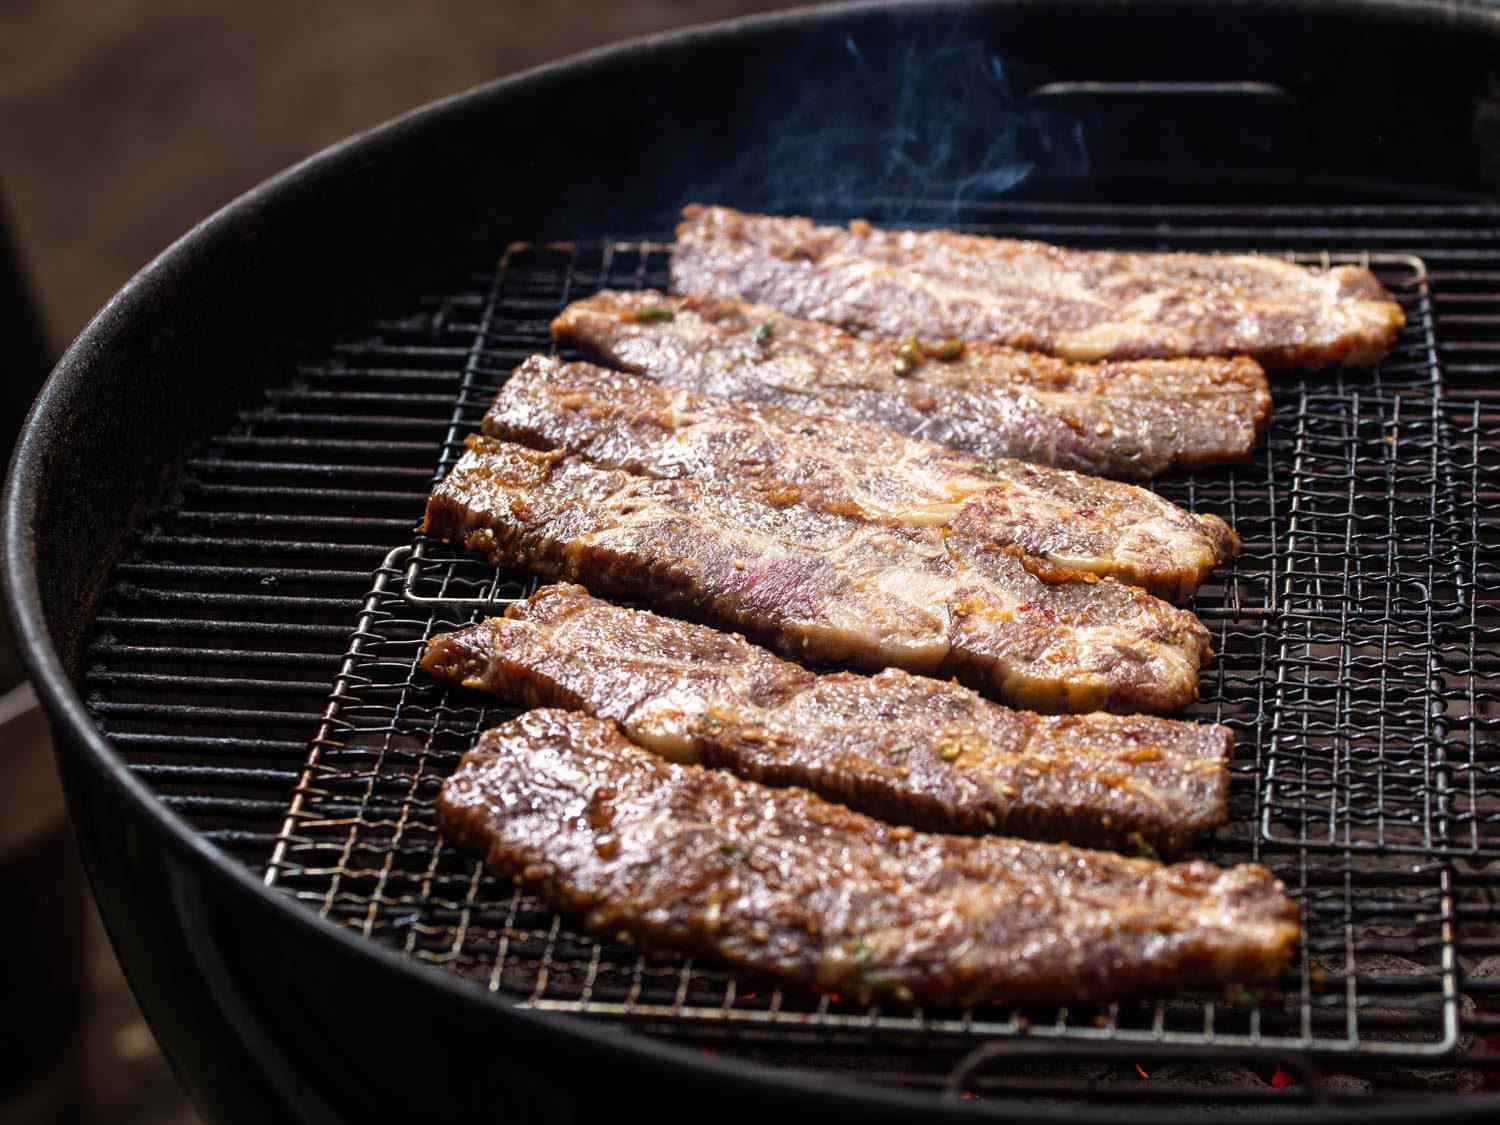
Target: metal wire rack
1357 667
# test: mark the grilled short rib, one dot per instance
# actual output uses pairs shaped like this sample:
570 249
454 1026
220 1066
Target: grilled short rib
863 471
1080 305
1130 420
817 585
779 881
908 749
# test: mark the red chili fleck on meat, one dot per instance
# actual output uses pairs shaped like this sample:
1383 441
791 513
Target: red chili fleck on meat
1280 1078
1139 1069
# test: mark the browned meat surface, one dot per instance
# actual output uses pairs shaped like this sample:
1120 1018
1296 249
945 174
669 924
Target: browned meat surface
820 586
1129 420
779 881
906 748
863 471
1081 305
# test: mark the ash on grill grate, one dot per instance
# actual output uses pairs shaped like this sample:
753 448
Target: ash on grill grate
1356 668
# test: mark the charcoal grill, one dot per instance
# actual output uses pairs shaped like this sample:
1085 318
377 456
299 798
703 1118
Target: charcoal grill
212 559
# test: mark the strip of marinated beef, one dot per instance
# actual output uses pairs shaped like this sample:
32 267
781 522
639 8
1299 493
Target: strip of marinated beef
781 882
816 585
863 471
908 749
1077 304
1130 420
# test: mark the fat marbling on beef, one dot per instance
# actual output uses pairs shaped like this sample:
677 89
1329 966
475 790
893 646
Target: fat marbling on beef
1078 304
909 749
1131 420
866 472
781 882
819 585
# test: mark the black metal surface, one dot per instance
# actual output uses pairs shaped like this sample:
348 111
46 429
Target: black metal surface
271 1013
1332 629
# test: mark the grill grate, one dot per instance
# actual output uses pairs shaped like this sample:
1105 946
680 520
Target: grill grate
1357 666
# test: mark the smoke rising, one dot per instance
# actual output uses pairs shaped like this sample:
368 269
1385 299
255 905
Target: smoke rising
893 127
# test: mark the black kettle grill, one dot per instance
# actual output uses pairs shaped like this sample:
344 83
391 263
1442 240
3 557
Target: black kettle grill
212 566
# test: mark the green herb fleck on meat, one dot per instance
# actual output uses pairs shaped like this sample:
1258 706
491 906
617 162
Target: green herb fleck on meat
651 314
1239 996
861 954
1140 847
762 333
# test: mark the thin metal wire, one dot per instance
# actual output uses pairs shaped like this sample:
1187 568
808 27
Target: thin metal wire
1307 597
1357 669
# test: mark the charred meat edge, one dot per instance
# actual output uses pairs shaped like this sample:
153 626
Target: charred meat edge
781 882
1124 419
1077 304
909 749
817 586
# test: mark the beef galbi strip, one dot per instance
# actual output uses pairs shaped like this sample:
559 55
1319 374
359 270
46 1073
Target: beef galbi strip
781 882
866 472
1080 305
908 749
817 585
1130 420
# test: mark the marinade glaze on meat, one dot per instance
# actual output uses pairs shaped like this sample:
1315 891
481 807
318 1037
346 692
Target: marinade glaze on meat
863 471
1130 420
779 881
1080 305
818 585
909 749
